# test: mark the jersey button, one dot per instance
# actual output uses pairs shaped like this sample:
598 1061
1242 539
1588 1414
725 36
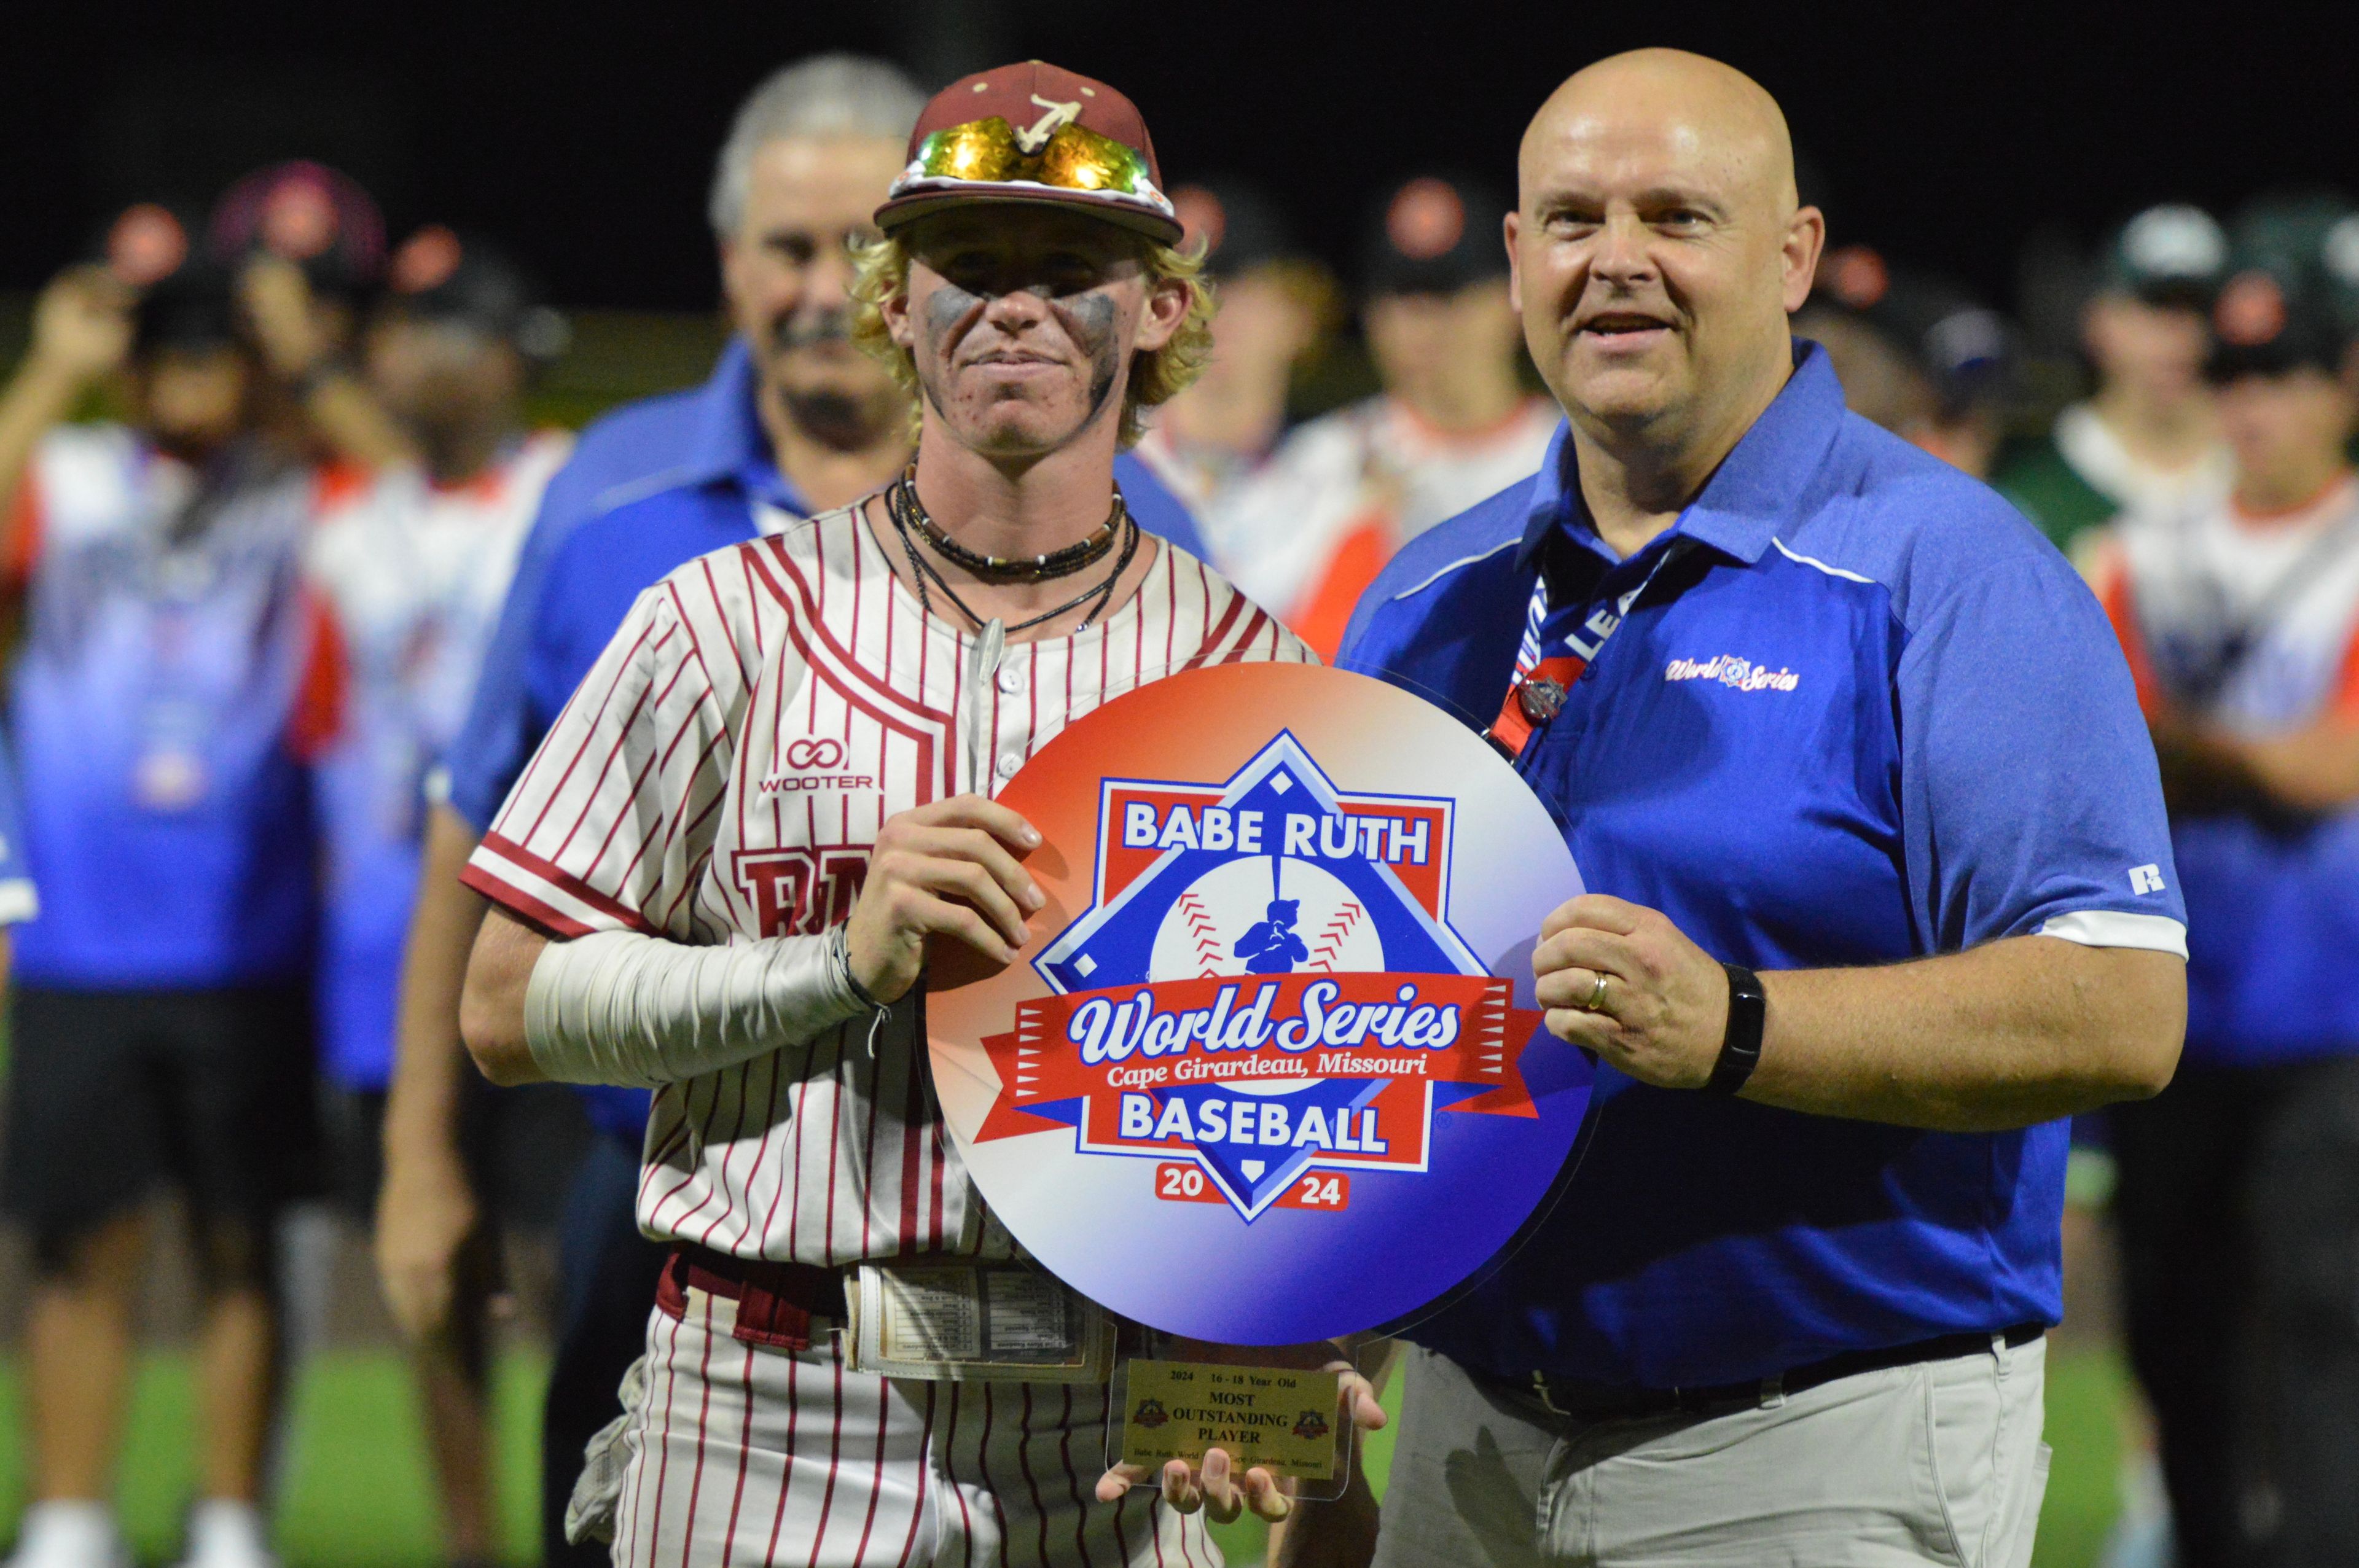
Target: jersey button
1011 680
1008 762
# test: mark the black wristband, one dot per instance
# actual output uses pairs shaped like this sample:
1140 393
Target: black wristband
1740 1048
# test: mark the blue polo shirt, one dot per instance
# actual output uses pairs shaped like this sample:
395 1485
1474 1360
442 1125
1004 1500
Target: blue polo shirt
649 487
1850 709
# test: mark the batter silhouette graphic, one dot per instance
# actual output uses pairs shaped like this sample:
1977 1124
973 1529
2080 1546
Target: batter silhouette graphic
1270 945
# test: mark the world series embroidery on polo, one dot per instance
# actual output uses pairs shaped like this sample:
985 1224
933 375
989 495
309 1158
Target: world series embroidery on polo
1264 990
1730 670
1276 1013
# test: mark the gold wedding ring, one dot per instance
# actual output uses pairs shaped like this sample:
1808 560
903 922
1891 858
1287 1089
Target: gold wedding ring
1596 1003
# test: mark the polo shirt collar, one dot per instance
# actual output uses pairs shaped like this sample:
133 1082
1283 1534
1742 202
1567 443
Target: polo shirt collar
1756 491
728 445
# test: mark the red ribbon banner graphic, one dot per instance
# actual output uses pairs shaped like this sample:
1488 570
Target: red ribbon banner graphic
1421 1028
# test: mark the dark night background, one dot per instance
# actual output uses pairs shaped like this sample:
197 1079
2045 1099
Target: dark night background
584 134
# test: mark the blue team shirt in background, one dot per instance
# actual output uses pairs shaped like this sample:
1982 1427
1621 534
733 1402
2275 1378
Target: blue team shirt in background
166 812
2250 628
650 487
1863 713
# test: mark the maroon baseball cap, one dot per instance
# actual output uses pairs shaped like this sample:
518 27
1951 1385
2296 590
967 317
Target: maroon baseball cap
1037 133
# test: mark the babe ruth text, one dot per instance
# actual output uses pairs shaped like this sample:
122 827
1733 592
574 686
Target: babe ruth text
1395 841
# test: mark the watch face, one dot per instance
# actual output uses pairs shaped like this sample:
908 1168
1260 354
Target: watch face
1269 1070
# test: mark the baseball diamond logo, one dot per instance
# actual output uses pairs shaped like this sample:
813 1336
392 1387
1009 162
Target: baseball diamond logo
1263 992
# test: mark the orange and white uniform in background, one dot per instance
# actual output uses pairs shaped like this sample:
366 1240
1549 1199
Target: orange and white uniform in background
1307 532
407 577
2247 622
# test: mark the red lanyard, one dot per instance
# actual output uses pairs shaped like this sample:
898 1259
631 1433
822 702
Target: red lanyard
1537 692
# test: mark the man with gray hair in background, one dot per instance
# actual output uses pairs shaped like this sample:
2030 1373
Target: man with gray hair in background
793 420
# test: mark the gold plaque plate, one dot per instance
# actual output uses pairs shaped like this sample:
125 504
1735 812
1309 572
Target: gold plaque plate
1280 1418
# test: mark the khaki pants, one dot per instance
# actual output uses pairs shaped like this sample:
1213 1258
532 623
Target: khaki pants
1938 1463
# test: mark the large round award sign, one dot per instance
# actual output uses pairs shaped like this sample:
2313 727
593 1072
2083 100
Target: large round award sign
1268 1070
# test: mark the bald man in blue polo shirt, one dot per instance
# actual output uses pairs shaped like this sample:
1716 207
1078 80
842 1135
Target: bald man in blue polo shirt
1883 893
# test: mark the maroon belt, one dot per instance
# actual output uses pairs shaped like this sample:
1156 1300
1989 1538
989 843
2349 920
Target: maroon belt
776 1303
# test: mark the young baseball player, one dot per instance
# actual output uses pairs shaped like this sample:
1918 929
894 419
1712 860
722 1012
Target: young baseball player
2240 1182
793 421
719 875
1279 309
159 1031
1307 530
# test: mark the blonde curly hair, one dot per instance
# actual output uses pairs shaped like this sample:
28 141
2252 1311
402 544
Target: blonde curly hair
880 271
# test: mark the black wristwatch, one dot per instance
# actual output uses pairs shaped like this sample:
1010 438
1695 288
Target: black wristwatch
1740 1048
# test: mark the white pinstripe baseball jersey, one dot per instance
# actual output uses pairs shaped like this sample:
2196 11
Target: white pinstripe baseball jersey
720 776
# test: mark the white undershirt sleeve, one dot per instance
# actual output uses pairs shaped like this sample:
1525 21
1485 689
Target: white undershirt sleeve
615 1006
2117 928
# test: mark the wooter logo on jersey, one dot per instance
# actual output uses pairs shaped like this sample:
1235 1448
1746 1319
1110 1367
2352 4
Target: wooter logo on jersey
1264 988
812 763
1274 1019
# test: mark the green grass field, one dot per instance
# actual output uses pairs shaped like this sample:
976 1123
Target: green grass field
356 1492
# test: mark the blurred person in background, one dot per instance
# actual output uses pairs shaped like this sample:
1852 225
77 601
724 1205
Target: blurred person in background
794 419
1881 378
2239 1185
2145 439
408 567
1278 309
1454 424
307 244
160 1029
1918 360
793 422
1914 354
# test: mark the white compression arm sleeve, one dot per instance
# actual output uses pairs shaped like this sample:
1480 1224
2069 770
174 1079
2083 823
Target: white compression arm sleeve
615 1006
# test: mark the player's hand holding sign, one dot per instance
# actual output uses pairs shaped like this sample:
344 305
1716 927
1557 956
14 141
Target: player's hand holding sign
948 867
1215 1485
1622 980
